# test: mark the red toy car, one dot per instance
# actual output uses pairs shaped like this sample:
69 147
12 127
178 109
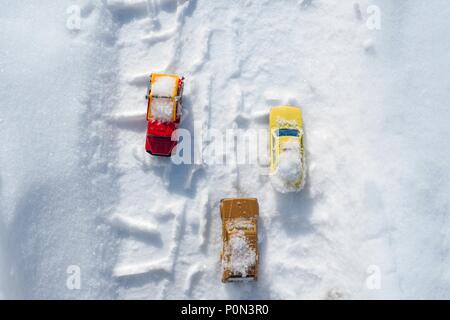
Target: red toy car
164 95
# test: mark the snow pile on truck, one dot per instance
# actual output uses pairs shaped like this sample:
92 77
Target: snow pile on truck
165 87
162 109
242 255
164 97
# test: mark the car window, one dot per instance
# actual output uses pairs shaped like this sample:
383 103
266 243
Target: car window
287 133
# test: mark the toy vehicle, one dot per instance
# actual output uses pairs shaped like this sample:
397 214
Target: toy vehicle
240 239
164 95
287 152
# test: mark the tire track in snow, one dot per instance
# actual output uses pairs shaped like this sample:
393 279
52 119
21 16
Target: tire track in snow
148 269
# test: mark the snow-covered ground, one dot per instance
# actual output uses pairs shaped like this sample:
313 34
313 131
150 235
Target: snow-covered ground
78 192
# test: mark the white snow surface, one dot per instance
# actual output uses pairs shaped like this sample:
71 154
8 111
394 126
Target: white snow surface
78 189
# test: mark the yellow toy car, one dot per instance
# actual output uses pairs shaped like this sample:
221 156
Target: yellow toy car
287 151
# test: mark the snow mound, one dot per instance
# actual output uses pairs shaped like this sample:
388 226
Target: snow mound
162 109
290 162
164 86
290 167
242 255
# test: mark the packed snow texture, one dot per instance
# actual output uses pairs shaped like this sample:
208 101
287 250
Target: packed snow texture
164 86
77 188
241 255
162 109
241 224
288 174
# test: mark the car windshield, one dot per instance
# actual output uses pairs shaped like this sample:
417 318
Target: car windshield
287 133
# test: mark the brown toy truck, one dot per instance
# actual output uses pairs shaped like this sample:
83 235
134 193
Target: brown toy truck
240 239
